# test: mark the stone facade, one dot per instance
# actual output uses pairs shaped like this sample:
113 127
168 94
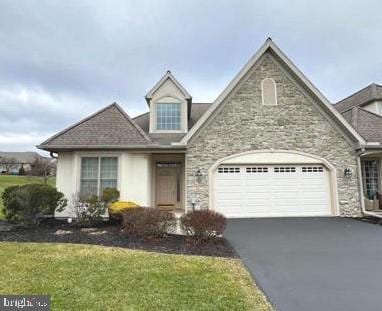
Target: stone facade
242 123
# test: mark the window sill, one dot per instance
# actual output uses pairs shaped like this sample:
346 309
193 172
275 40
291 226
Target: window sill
167 131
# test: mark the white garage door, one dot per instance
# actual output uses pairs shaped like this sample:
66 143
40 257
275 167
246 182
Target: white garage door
272 190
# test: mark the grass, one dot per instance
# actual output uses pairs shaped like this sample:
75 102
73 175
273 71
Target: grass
14 180
103 278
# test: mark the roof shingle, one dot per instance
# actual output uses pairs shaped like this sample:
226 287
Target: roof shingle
110 126
368 124
370 93
197 110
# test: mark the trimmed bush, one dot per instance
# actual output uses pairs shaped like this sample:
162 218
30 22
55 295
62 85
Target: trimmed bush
28 204
110 195
203 224
147 222
119 207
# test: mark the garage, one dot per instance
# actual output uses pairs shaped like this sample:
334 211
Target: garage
260 190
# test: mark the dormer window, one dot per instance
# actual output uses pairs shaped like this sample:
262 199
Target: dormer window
168 116
170 106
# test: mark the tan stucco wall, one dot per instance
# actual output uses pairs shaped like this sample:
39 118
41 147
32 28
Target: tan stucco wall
134 176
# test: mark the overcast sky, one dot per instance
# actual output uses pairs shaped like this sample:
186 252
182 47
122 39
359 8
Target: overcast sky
62 60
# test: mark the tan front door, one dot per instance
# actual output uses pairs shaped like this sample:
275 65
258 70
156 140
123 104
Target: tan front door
167 182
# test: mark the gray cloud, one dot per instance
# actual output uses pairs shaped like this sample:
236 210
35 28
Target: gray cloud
62 60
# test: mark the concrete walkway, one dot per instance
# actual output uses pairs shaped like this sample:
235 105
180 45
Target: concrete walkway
311 264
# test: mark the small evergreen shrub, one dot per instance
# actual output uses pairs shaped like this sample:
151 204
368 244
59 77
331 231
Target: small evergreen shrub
110 195
28 204
203 224
119 207
147 222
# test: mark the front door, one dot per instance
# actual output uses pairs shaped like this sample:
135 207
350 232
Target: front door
167 185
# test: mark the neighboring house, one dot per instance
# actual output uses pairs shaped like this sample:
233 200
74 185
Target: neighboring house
22 159
270 145
363 110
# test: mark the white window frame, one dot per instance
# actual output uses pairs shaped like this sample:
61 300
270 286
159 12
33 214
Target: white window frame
157 105
364 178
262 92
98 155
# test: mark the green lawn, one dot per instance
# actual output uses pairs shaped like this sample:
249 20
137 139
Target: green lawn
11 180
82 277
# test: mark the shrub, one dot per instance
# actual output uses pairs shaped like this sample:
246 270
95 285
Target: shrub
110 195
119 207
89 211
203 224
29 203
147 222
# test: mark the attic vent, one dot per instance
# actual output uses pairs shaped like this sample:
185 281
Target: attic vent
269 92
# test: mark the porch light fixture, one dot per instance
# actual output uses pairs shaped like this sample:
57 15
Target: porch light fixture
198 175
348 173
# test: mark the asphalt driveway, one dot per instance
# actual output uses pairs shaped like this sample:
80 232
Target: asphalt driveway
312 263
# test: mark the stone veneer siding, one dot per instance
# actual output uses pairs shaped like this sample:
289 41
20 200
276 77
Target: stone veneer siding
242 123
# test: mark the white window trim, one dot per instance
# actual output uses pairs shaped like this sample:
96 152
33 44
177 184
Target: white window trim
262 91
180 116
99 155
364 179
183 115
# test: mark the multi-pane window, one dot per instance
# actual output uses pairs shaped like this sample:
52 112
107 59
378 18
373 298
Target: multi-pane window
98 173
370 177
168 116
286 169
229 170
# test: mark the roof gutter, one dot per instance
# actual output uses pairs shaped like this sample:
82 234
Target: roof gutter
369 145
55 148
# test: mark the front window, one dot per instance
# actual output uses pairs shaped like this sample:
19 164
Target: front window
370 177
98 173
168 116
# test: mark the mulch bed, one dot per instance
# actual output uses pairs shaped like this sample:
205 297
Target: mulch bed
54 231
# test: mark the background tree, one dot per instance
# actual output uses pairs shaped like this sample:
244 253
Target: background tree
42 167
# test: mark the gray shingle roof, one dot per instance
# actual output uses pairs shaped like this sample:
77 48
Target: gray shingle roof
360 98
110 127
368 124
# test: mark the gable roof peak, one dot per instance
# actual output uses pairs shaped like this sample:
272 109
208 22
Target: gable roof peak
110 126
168 76
270 46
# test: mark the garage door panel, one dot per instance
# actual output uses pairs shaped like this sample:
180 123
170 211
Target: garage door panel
272 191
229 182
257 195
225 196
